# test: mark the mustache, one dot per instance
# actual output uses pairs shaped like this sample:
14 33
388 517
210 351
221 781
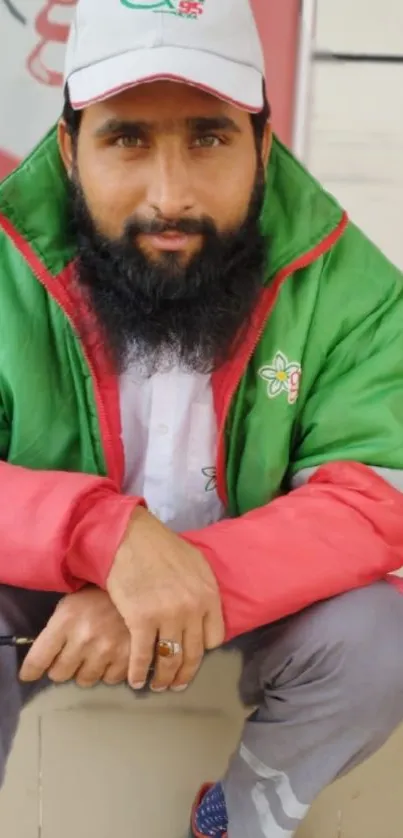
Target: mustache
136 226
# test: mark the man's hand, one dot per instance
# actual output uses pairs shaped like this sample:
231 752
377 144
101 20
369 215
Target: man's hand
85 640
164 589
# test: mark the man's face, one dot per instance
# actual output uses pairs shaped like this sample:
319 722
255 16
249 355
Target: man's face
168 182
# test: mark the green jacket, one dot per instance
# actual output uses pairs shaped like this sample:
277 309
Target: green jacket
310 411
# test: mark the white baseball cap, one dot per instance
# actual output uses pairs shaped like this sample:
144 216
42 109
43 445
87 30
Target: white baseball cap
212 44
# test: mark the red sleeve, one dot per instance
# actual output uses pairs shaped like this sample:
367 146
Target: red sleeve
342 530
59 530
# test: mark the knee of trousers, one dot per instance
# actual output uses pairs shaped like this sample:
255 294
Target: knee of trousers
346 655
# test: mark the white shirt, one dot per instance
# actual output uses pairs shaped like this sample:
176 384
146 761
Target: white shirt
170 440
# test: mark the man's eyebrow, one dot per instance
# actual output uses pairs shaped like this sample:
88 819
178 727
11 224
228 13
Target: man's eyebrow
200 124
122 126
213 123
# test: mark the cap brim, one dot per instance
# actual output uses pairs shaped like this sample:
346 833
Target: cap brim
238 84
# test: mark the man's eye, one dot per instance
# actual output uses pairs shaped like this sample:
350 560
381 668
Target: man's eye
128 141
208 141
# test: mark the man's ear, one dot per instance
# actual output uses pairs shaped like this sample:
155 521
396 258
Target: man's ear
65 144
267 144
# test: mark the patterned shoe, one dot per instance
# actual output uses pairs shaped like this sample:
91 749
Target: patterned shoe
194 833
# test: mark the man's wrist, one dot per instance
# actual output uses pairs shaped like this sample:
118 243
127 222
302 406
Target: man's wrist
98 535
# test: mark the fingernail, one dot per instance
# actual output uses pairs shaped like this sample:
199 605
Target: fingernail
139 686
180 689
159 689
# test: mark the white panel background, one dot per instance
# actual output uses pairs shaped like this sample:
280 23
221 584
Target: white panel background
356 135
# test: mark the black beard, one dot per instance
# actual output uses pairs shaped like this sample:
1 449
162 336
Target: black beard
156 314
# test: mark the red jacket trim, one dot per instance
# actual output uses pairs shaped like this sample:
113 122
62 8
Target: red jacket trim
227 378
63 289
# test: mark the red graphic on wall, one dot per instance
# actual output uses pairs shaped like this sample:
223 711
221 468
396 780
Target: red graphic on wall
49 32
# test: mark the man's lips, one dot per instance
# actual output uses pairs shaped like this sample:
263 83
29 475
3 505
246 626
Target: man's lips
170 241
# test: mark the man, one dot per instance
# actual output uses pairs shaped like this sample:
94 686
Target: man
201 410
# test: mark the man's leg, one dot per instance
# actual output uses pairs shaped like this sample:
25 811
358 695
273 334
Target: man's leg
329 685
25 613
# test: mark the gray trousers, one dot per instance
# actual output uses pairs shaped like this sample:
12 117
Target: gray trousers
329 687
328 684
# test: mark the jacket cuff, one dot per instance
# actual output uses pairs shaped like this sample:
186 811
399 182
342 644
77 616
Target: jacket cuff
97 536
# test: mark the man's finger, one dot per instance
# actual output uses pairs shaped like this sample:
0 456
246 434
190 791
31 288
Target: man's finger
116 673
42 654
214 628
165 669
66 665
193 653
142 647
90 673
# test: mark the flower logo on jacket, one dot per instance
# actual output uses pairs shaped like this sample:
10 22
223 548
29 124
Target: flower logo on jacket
282 376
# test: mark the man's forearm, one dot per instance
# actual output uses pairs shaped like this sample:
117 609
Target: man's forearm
342 530
59 530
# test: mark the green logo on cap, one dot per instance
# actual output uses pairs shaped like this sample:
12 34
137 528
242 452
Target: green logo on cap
191 9
152 5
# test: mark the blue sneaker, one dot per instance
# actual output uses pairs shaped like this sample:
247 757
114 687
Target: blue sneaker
194 833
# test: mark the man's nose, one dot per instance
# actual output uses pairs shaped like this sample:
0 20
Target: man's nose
170 192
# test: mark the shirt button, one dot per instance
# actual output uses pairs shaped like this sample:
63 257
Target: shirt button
163 430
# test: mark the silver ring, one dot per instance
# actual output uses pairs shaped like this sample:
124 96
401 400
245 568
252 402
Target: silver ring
169 649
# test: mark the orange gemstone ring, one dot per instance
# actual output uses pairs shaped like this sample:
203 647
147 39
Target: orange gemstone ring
168 649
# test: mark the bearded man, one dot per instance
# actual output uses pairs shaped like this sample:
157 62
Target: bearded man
201 411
